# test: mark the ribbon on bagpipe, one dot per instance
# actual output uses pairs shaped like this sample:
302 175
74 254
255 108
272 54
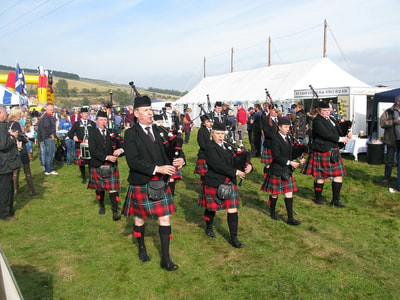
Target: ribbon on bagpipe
241 156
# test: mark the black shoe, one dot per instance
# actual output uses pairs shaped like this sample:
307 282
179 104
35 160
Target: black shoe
319 202
337 204
235 243
274 216
102 211
210 232
143 255
116 216
83 180
293 222
169 265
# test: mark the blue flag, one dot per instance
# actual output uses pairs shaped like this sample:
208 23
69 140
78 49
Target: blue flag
20 85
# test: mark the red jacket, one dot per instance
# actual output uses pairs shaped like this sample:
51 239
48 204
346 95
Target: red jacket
241 116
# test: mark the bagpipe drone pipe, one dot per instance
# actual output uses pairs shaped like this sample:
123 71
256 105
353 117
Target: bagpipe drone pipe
241 156
344 128
172 141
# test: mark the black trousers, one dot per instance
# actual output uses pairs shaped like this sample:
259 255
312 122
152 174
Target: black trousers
6 195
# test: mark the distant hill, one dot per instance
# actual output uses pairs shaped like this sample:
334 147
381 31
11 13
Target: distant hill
76 91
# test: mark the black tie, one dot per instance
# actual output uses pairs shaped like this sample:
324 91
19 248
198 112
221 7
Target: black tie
286 139
149 134
104 134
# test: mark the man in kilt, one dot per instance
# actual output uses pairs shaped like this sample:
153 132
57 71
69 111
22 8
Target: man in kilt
325 160
269 127
279 178
105 148
147 162
79 132
203 138
221 170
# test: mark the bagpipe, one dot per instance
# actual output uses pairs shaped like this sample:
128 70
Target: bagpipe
203 111
172 140
241 156
115 137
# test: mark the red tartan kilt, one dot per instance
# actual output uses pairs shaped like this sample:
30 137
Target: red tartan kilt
266 156
78 160
208 198
139 205
201 167
111 183
319 166
177 175
275 185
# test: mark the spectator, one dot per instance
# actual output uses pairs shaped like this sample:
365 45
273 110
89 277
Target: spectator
47 136
241 118
390 120
250 112
9 161
129 117
22 140
187 121
118 121
92 115
75 116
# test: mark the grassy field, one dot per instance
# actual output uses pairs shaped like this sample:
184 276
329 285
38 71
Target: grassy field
62 249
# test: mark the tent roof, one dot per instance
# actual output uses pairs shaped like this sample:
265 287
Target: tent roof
280 80
387 96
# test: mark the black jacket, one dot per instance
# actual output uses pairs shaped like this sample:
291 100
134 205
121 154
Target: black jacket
79 130
269 129
203 139
324 135
220 165
99 148
281 152
143 155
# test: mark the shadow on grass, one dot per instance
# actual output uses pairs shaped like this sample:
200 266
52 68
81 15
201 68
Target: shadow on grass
32 283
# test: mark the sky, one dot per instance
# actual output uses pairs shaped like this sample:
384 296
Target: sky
163 44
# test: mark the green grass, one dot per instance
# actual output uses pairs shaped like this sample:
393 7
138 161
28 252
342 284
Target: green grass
62 249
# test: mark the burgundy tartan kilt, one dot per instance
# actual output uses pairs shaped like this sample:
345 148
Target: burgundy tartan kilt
208 198
266 156
201 167
111 183
78 160
319 166
177 175
139 205
276 185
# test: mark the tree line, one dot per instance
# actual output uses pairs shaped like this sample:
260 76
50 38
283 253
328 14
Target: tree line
55 73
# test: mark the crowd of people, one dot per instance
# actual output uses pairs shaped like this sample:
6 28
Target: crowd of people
283 142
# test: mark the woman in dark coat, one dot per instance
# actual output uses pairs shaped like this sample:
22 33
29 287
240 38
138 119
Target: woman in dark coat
279 179
221 170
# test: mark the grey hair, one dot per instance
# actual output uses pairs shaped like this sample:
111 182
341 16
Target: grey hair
3 107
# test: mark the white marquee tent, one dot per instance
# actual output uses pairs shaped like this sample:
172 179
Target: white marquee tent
280 80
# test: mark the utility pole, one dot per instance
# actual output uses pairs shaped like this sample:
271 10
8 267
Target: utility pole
232 60
325 25
204 67
269 51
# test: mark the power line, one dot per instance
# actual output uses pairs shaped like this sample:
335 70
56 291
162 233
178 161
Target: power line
38 18
11 7
340 49
27 13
